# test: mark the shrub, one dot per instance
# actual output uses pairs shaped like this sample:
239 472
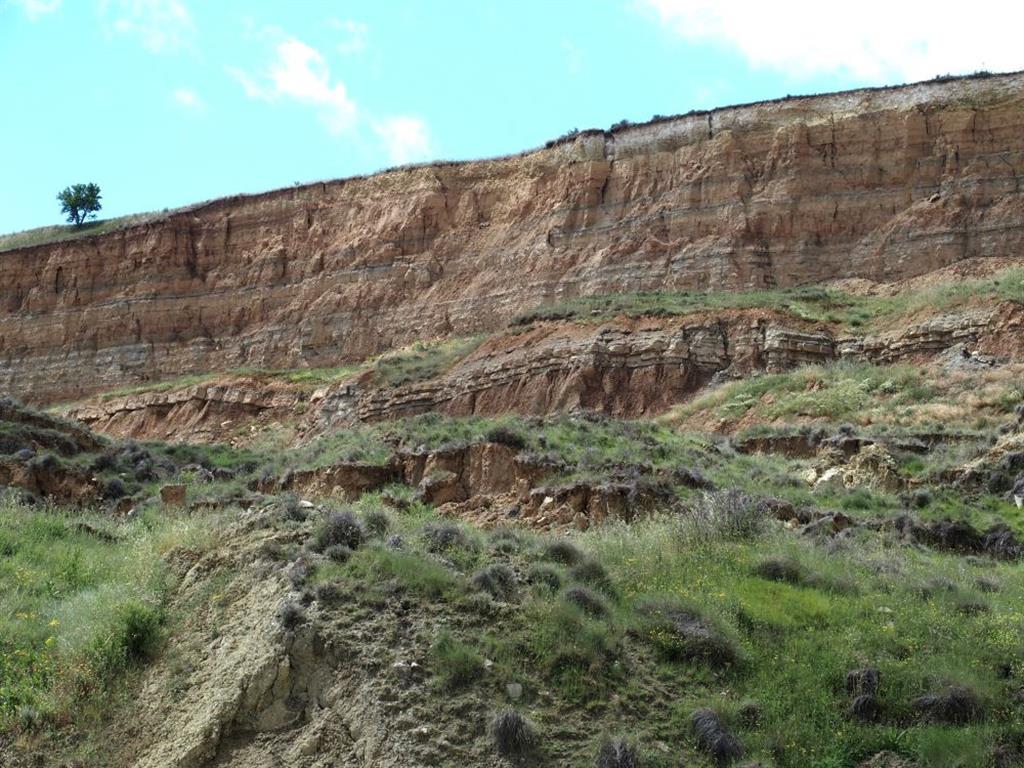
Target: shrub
544 576
339 553
505 436
505 540
444 536
616 753
780 569
954 705
292 507
593 574
860 681
750 714
377 522
723 515
115 489
563 551
457 664
921 498
988 584
291 615
514 736
411 571
341 528
865 707
680 633
586 600
713 737
497 580
132 636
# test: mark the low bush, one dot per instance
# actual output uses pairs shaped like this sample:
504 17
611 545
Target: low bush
681 633
586 600
130 637
616 753
544 576
339 553
376 522
444 536
563 551
505 436
291 615
714 738
593 574
514 736
406 570
722 515
953 705
498 580
340 528
780 569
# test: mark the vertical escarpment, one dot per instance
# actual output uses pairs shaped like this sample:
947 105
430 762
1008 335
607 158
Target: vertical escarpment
875 184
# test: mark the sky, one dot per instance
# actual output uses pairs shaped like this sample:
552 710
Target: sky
169 102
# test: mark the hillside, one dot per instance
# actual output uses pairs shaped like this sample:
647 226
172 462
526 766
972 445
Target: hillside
880 184
698 442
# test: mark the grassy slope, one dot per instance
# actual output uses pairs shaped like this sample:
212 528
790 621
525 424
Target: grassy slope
868 603
60 233
872 396
81 602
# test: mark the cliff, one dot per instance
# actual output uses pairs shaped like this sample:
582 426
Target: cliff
881 184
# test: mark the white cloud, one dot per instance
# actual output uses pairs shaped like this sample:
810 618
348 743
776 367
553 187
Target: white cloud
873 39
162 26
405 138
356 34
188 99
300 73
35 9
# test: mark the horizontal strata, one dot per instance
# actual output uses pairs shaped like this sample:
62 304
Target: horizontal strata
882 185
623 367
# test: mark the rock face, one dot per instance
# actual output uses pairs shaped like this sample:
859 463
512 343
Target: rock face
624 367
883 184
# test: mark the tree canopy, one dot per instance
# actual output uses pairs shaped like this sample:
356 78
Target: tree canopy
79 202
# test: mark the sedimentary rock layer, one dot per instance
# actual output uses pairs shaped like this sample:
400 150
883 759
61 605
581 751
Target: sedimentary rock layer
881 184
624 367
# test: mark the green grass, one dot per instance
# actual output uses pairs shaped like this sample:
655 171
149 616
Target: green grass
78 609
456 664
836 392
59 233
800 641
816 304
422 361
866 603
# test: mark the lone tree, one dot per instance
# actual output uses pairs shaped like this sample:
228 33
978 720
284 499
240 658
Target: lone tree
79 202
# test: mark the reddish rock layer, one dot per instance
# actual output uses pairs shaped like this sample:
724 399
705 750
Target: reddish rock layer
623 368
881 184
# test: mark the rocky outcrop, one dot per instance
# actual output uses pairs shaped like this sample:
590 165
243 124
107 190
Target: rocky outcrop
200 413
643 367
881 184
624 367
347 481
52 480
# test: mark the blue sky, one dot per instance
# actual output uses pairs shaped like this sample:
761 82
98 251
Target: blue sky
167 102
